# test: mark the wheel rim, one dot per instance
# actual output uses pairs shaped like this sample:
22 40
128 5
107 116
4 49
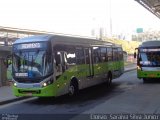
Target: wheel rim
109 79
71 90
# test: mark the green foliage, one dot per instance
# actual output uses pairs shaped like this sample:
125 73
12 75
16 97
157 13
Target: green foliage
128 46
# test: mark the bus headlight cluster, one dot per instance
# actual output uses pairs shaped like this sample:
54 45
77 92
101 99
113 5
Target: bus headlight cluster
47 83
44 84
138 68
15 84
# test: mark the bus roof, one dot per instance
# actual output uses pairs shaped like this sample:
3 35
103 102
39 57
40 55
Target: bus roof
59 39
36 38
155 43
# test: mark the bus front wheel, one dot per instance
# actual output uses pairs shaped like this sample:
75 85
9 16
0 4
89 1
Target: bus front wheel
73 88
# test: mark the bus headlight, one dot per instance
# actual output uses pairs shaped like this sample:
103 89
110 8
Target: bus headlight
15 84
47 83
44 84
138 68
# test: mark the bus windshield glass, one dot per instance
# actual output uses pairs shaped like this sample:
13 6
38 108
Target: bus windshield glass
31 63
149 57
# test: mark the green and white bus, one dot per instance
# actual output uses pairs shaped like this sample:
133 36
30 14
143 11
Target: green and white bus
54 65
148 60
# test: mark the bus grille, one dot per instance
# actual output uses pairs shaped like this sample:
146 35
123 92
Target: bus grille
29 91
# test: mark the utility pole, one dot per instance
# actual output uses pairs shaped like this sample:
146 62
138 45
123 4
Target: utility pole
110 9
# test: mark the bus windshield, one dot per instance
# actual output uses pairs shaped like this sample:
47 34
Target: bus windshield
149 58
31 63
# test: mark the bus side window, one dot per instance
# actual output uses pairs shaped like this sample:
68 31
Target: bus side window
120 54
103 55
71 58
58 61
87 55
96 55
58 58
115 54
80 58
109 54
64 61
61 60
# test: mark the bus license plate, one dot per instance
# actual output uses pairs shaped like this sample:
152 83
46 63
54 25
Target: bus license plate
152 75
29 94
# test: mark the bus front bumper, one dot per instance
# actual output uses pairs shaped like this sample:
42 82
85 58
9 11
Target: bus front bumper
47 91
148 74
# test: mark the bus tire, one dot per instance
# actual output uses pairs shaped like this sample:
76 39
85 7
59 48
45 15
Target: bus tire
145 80
73 88
109 78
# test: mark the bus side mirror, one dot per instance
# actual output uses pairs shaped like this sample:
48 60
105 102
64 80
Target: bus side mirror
135 55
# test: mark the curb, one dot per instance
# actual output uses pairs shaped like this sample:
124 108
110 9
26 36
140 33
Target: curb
12 100
130 70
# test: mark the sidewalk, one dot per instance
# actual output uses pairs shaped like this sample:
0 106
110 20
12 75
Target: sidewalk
6 95
130 67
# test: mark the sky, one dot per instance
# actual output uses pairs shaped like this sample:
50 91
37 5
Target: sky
77 17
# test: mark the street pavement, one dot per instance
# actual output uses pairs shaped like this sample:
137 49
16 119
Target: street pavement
6 95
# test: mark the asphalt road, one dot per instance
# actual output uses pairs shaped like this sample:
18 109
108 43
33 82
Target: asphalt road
126 95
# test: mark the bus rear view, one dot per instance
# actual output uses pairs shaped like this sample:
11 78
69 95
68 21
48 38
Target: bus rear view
148 60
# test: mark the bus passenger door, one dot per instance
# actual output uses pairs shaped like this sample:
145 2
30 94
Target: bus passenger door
116 62
89 62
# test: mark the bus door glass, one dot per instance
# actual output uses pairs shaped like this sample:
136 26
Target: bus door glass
120 60
89 62
115 58
61 61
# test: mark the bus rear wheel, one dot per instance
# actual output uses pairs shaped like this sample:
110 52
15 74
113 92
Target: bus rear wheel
73 88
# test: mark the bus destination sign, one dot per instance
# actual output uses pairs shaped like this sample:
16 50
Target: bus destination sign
29 46
150 50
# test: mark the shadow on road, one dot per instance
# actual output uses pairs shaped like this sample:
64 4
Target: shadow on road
152 81
99 92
